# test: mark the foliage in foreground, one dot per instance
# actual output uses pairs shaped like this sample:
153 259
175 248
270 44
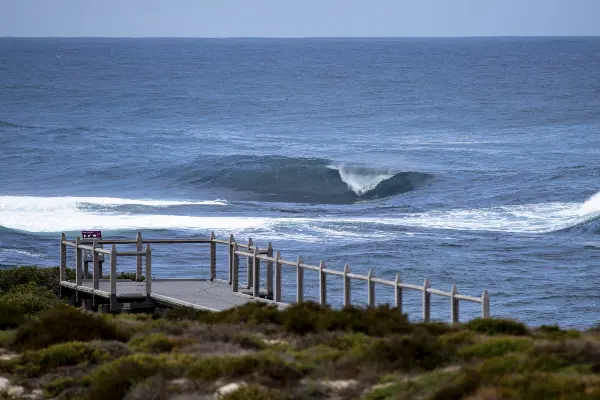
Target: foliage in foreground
305 351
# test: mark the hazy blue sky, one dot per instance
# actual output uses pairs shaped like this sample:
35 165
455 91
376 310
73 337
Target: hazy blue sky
299 18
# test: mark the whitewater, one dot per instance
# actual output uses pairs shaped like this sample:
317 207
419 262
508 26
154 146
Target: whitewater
463 161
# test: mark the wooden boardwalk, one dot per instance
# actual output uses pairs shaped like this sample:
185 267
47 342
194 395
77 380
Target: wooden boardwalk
262 280
200 294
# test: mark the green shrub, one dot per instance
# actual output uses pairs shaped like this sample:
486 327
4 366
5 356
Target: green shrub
66 324
36 363
493 326
571 351
29 298
249 341
113 379
261 366
11 316
459 388
495 347
542 386
45 277
153 343
404 353
458 338
57 386
254 392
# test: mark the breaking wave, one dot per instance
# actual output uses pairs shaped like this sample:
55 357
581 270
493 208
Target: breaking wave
297 180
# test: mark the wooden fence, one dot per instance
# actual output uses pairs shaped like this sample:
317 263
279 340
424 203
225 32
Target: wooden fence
254 256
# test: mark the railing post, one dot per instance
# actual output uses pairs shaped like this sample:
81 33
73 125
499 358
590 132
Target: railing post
249 268
454 302
63 258
113 278
256 272
148 273
235 271
299 281
370 289
398 293
138 247
78 258
426 301
213 257
277 277
323 283
347 300
485 304
270 272
230 262
96 262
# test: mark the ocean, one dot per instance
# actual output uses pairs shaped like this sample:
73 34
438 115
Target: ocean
472 161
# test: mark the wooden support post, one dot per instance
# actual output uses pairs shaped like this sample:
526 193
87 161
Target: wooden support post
113 278
148 273
78 257
235 271
213 257
370 289
426 301
278 277
270 272
249 268
96 263
347 298
231 249
138 247
256 273
322 283
398 293
485 304
299 281
63 258
78 272
454 302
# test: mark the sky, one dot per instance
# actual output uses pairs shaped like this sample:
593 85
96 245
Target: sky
298 18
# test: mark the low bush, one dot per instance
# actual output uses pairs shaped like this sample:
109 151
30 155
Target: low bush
254 392
262 366
58 385
153 343
416 352
29 298
543 386
493 326
113 379
11 316
495 347
66 324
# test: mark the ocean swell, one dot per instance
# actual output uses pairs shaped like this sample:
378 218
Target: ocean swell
295 179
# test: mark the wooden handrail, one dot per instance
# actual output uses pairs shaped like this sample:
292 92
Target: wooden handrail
274 264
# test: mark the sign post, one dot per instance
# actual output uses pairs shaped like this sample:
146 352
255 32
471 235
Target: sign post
88 256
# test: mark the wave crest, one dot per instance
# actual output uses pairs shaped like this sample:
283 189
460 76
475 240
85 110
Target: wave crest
296 180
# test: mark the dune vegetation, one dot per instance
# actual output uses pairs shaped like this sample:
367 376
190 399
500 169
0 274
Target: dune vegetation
51 350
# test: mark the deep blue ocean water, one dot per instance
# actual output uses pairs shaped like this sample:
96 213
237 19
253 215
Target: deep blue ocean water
467 161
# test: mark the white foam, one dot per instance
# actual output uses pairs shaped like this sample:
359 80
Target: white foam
528 218
360 180
55 214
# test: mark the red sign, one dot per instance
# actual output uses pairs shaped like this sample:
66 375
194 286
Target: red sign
91 234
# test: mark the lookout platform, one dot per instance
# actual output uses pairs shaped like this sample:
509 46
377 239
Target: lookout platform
223 288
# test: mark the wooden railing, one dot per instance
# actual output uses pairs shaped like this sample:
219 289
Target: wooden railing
274 269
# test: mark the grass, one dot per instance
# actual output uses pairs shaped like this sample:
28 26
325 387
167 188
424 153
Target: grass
301 352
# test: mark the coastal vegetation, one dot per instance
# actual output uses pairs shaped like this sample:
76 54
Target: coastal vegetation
306 351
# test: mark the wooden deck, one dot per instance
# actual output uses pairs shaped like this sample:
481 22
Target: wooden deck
200 294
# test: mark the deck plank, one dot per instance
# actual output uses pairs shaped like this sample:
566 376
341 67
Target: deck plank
200 294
